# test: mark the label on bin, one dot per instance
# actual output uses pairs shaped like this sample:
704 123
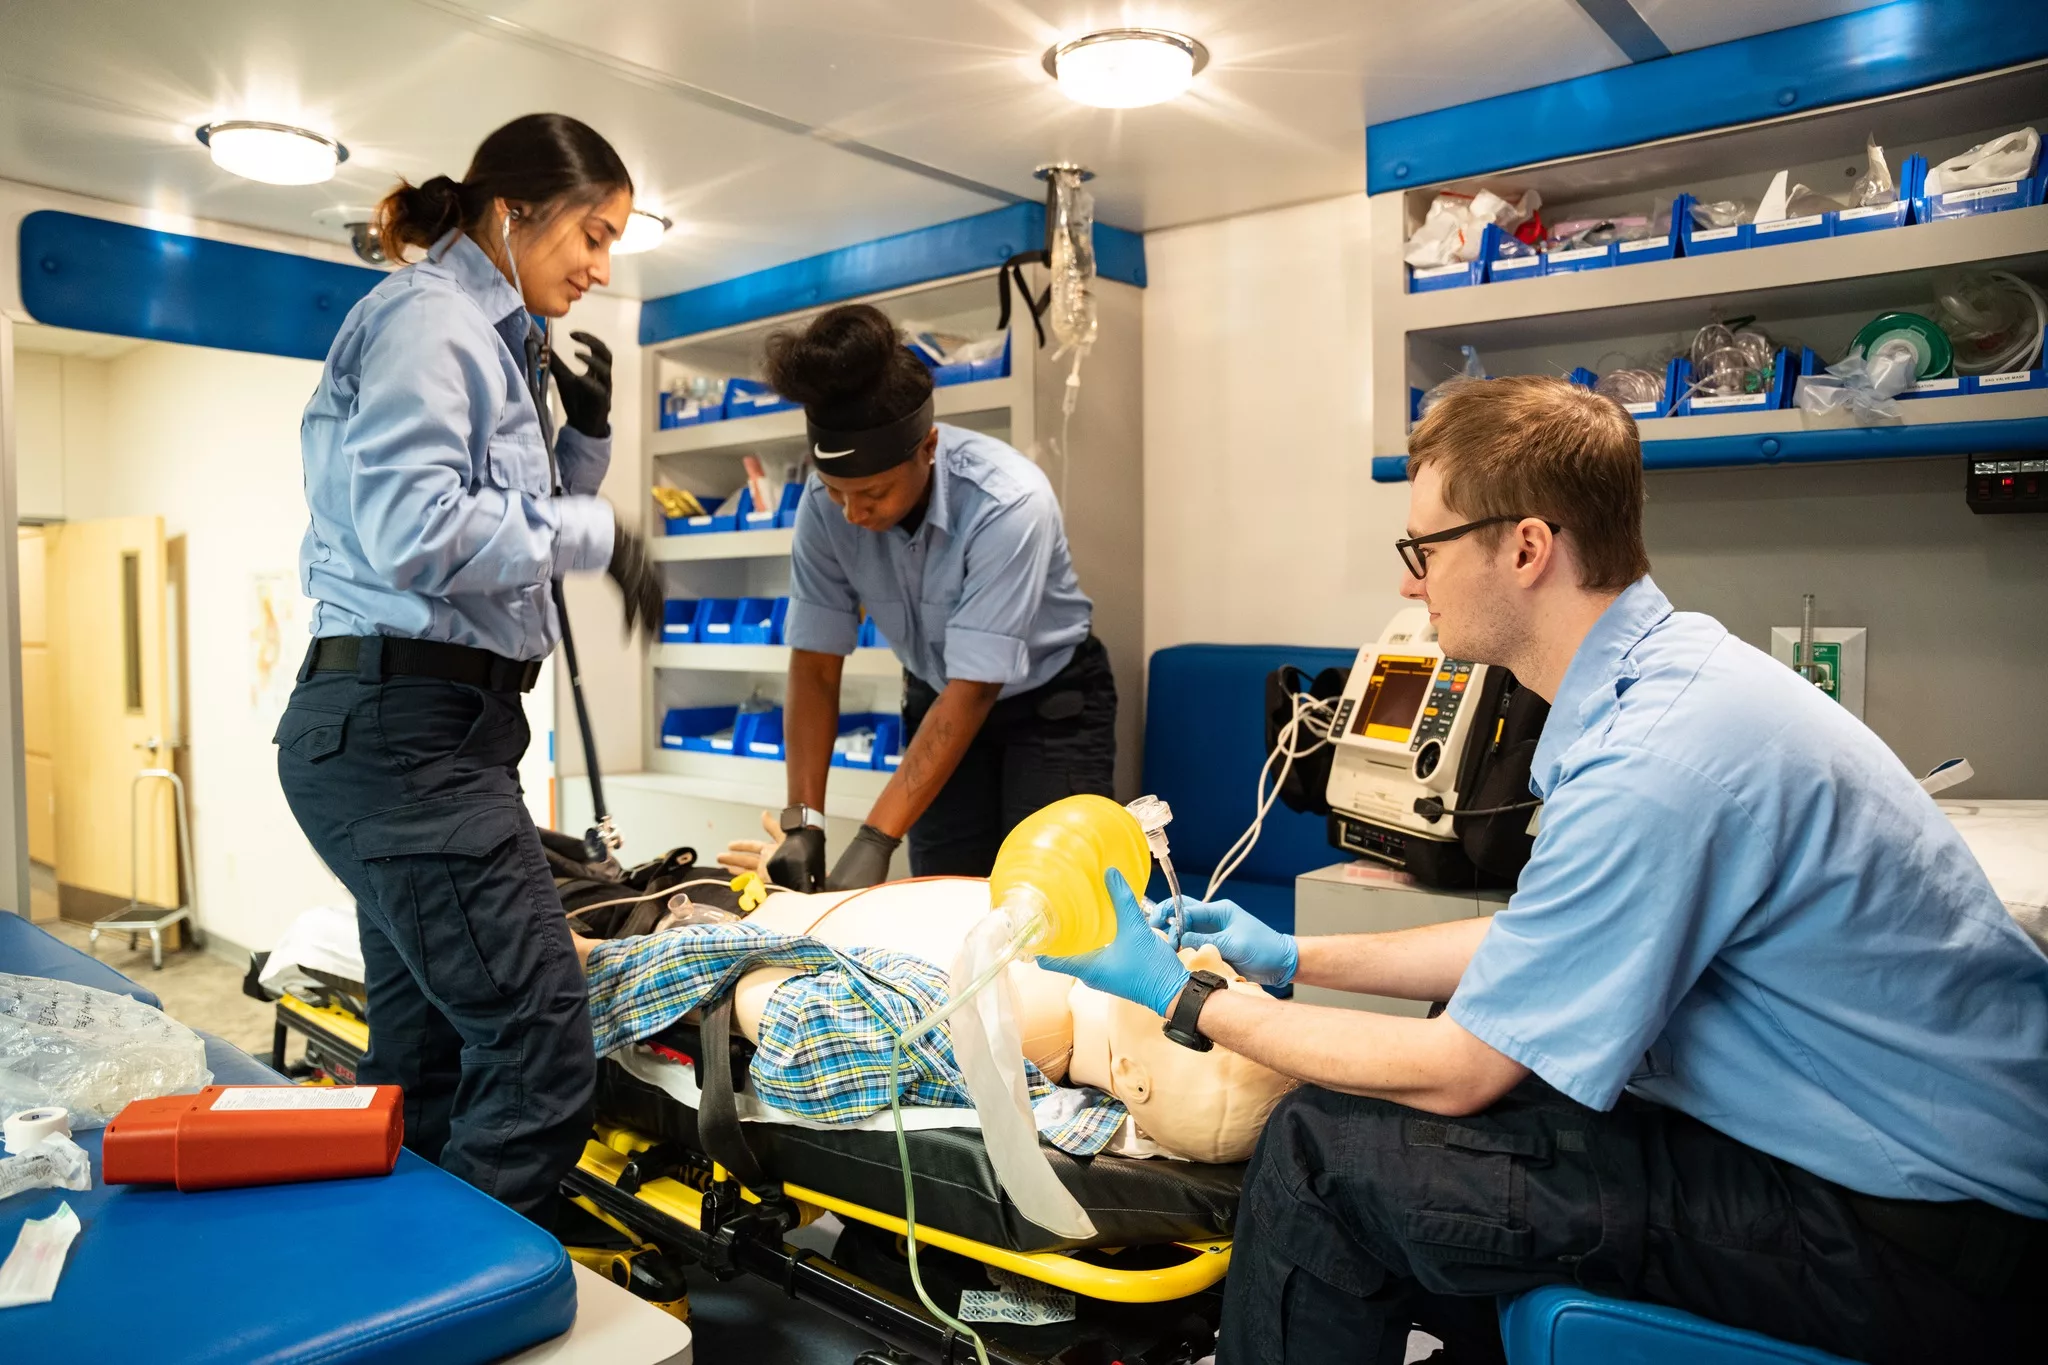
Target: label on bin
1731 400
1787 224
295 1097
1645 244
1867 211
1639 409
1713 234
1584 253
1935 386
1432 272
1999 380
1988 192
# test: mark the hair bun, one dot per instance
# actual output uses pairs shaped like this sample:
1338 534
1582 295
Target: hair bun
837 361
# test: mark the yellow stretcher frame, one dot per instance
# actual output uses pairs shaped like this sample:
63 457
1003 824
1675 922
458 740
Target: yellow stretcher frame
331 1020
605 1158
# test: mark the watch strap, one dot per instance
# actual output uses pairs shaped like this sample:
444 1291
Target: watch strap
1182 1024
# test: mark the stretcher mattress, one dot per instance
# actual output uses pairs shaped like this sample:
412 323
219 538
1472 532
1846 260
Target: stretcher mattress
1132 1201
413 1267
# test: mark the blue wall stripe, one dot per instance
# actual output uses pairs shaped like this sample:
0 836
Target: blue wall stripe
1817 447
1628 30
98 276
908 258
1880 51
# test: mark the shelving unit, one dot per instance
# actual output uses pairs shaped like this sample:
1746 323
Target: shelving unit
1816 293
707 797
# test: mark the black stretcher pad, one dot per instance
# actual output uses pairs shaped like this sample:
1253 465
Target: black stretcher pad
1133 1201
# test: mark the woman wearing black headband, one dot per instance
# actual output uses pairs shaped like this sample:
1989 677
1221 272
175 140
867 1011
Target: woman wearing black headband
953 542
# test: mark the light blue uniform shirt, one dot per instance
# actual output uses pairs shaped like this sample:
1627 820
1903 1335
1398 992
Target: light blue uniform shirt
984 591
1742 905
427 472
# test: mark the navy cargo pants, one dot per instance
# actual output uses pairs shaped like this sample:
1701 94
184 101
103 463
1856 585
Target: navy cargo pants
408 789
1360 1217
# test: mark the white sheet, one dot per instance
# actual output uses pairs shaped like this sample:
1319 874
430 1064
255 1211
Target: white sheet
2010 839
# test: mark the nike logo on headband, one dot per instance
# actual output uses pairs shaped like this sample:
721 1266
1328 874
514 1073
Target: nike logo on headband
825 454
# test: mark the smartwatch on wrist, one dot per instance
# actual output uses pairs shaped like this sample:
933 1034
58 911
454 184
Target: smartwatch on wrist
1187 1011
801 816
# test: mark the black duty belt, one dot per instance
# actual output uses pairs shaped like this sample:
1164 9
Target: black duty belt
425 659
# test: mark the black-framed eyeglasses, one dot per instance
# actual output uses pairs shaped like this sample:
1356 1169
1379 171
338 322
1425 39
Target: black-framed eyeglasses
1414 550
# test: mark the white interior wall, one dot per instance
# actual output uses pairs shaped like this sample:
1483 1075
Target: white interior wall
1262 524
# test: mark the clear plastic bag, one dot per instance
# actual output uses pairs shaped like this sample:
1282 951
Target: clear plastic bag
2010 157
1865 390
89 1051
1874 187
1631 386
1475 368
55 1163
1721 213
1451 230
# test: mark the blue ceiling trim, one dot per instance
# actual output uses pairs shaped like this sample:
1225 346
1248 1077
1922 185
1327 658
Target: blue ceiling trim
1824 446
1872 52
934 253
1628 30
98 276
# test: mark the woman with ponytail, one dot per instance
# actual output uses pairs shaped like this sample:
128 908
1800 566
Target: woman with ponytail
444 509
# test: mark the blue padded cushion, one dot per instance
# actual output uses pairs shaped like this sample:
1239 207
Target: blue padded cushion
414 1268
30 950
1205 741
1568 1326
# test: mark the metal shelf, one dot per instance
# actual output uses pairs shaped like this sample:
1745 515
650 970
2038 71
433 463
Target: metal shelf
1968 424
742 434
1657 295
757 782
862 663
719 545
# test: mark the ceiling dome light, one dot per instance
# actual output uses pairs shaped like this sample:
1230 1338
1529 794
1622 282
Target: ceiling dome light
274 153
1126 68
644 231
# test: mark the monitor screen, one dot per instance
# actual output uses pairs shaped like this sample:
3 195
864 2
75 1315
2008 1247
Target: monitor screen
1393 697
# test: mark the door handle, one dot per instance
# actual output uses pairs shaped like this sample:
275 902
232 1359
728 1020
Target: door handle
150 745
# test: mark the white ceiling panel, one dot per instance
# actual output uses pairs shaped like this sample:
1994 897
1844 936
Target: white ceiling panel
1685 24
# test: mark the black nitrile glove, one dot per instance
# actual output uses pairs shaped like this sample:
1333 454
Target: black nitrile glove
586 397
798 862
639 581
865 862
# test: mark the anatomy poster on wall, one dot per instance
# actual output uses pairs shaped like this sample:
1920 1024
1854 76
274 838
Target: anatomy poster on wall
277 638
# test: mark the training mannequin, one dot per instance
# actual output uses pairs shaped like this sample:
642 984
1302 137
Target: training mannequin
1205 1106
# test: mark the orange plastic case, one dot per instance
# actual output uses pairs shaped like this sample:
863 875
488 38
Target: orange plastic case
230 1135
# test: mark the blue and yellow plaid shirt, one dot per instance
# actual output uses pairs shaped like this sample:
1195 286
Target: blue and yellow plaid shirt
826 1036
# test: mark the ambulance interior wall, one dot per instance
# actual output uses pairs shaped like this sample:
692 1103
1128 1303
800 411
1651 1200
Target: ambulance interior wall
1263 525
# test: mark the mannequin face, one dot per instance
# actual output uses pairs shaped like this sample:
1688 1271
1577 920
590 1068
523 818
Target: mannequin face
559 257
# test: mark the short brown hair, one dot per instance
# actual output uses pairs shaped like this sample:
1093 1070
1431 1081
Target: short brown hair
1528 446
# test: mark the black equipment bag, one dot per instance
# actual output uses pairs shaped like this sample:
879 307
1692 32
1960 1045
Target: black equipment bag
1305 788
611 903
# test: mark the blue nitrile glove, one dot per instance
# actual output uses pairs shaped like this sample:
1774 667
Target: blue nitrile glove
1136 964
1254 950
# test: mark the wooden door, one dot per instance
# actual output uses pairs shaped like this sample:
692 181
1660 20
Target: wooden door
109 669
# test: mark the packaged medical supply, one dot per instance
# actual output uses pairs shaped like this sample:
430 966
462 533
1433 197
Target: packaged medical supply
1451 230
1915 342
1993 318
1726 362
228 1136
30 1272
41 1154
1863 388
1474 368
2002 159
676 503
1631 388
1875 185
89 1051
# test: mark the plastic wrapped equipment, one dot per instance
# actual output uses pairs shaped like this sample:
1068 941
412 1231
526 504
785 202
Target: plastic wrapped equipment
1631 386
89 1051
2010 157
1727 362
1874 187
1992 318
1451 231
1475 368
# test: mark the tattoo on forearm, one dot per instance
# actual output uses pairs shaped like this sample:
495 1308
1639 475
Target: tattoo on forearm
935 735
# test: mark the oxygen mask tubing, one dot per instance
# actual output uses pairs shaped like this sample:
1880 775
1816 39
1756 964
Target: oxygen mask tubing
1047 895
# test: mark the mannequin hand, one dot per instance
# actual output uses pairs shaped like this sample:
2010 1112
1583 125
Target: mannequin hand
865 861
748 855
1136 965
799 862
586 397
639 581
1255 951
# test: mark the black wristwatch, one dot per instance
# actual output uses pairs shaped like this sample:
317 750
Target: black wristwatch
1187 1011
801 816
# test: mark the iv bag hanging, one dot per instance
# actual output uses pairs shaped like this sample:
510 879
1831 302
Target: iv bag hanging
1070 252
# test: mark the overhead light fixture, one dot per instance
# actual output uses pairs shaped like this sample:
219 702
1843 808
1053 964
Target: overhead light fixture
1126 68
274 153
644 231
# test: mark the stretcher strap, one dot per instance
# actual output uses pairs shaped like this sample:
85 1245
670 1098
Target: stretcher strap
718 1120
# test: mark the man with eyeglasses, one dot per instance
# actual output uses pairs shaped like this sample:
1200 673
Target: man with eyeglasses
1753 1038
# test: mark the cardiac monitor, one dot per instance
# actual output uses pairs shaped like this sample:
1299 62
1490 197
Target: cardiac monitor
1412 735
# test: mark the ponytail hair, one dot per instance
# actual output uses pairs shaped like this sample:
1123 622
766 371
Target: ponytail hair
544 162
848 368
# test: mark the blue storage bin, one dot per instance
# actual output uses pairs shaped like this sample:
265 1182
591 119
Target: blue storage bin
751 398
1660 408
1651 248
1698 241
715 621
672 414
792 499
1784 378
691 526
1850 222
1427 279
1507 257
2011 194
678 621
755 621
1578 258
888 729
759 735
1583 377
692 728
2012 381
870 635
996 366
748 517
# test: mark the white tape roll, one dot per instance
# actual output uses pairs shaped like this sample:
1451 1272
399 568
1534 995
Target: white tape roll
31 1126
